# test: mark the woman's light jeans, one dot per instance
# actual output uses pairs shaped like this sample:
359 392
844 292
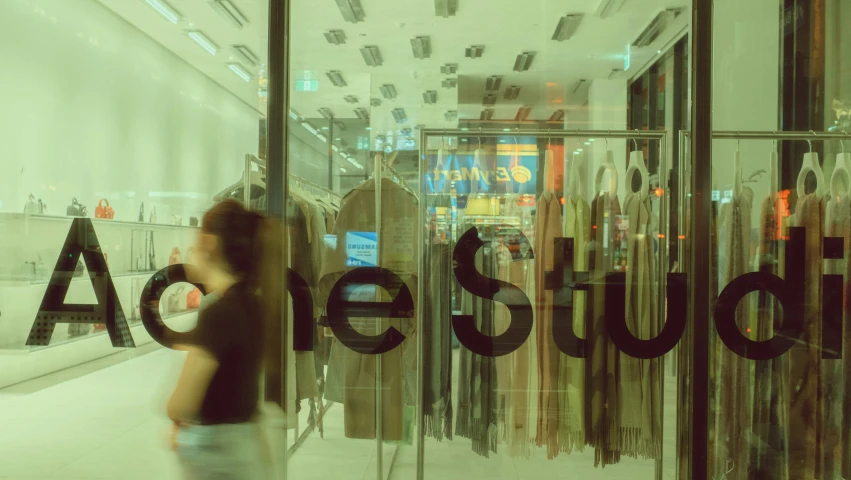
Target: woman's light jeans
219 452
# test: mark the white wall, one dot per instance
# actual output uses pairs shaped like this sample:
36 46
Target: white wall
92 107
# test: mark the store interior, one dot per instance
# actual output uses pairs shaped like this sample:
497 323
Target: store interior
140 114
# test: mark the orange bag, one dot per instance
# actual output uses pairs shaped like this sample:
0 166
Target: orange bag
103 210
193 298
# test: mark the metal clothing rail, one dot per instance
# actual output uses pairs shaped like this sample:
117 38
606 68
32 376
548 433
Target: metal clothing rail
773 135
660 136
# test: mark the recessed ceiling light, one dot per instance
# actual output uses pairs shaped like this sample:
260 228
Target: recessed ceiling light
493 83
489 100
450 115
430 97
566 27
557 116
246 54
375 102
523 113
656 27
474 51
579 85
165 10
336 78
371 56
293 114
310 128
335 37
351 9
229 12
340 126
240 71
512 92
421 46
388 91
445 8
486 114
608 8
450 83
326 112
524 61
399 115
449 69
350 99
203 41
343 170
362 113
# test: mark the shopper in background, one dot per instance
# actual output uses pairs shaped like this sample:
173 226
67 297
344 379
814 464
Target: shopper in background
215 404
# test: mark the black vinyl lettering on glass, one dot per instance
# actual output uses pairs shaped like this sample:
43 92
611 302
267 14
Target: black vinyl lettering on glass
81 241
149 305
564 281
340 309
518 304
832 303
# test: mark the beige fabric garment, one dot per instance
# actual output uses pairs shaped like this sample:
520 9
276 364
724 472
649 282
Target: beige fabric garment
525 382
398 252
548 226
577 225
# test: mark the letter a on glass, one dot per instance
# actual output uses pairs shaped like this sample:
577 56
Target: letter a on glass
81 240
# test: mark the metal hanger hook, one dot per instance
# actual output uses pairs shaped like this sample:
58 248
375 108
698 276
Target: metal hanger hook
811 143
738 140
635 140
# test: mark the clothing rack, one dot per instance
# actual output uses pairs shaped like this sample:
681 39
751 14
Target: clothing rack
658 136
316 189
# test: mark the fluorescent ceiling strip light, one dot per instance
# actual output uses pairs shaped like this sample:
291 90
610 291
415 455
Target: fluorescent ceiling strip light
430 97
493 83
656 27
371 56
445 8
474 51
375 102
340 126
489 100
246 54
399 115
421 46
351 9
165 10
614 72
362 113
523 113
322 137
450 83
350 99
293 114
557 116
450 115
449 69
335 148
566 27
388 91
229 12
579 85
608 8
512 92
336 78
486 114
240 71
326 112
203 41
524 61
335 37
310 128
343 170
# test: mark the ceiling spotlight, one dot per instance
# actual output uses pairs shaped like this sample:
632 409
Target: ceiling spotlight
351 9
399 115
203 41
335 37
608 8
326 112
421 46
450 83
557 116
523 113
229 12
165 10
445 8
656 27
371 55
579 85
388 91
487 114
375 102
493 83
450 115
512 92
430 97
489 100
350 99
245 53
240 71
362 113
474 51
524 61
566 27
336 78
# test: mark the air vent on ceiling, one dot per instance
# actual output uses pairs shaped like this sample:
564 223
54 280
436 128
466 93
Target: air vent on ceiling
375 102
430 97
421 46
523 113
489 100
557 116
524 61
399 115
493 83
656 27
351 9
335 37
350 99
512 92
229 12
362 113
566 27
336 78
579 85
450 83
450 115
246 55
371 56
326 112
475 51
445 8
388 91
608 8
487 114
449 69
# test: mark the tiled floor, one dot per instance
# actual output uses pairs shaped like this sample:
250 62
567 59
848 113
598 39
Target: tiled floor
109 424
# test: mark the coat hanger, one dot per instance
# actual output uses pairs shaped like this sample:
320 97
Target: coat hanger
255 179
811 164
636 164
737 170
773 170
840 187
607 166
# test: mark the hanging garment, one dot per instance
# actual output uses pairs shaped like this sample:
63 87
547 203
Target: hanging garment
839 222
398 252
571 385
601 372
548 227
768 456
437 343
805 364
639 399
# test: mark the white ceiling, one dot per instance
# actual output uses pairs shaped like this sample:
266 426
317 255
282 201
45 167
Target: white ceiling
506 28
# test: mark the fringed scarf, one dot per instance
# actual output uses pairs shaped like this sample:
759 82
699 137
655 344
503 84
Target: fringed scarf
603 426
437 343
839 221
548 226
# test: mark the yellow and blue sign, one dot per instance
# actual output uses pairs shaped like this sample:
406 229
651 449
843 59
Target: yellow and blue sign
513 168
